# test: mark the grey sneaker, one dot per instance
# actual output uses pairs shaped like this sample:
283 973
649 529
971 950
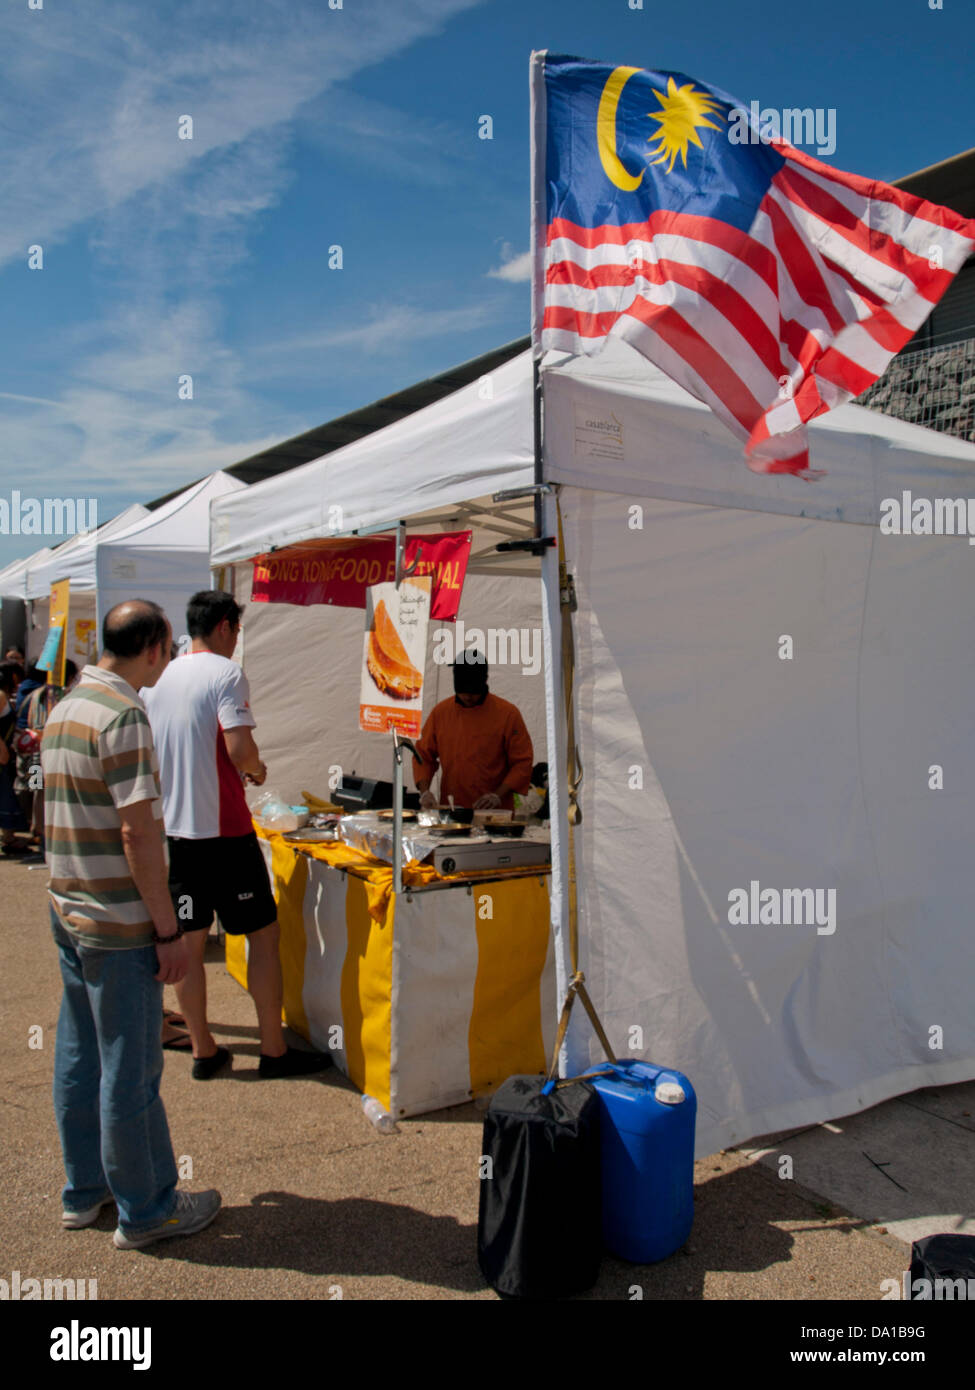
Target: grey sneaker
78 1220
193 1211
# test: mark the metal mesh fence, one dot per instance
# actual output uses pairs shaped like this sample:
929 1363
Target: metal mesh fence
932 386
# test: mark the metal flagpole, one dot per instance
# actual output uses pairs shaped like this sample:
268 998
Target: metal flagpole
557 606
545 509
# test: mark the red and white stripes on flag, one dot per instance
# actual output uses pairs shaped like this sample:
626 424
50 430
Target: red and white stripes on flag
773 326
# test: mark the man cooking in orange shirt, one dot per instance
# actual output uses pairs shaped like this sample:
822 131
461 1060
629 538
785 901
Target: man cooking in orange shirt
478 740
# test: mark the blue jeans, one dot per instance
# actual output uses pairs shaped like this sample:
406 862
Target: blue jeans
107 1068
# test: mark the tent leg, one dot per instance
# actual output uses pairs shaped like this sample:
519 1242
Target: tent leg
556 738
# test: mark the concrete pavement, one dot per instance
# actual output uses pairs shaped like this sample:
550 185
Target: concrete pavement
318 1205
907 1165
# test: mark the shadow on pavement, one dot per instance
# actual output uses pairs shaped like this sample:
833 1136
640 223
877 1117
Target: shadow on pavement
354 1236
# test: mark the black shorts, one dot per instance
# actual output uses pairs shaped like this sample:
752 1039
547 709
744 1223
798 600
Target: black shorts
226 876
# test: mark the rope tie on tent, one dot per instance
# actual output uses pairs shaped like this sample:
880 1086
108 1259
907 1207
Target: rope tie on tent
577 985
568 604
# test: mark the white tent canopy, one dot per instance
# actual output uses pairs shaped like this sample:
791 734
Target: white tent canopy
161 555
304 662
474 441
673 447
765 690
75 560
164 556
13 579
478 440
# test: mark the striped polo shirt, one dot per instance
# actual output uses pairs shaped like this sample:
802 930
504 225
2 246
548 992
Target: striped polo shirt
97 756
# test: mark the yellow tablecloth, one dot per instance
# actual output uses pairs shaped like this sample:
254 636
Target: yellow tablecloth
424 1002
377 875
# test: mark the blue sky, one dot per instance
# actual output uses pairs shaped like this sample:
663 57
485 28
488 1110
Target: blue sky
358 127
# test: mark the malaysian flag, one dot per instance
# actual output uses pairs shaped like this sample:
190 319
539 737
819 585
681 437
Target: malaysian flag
767 284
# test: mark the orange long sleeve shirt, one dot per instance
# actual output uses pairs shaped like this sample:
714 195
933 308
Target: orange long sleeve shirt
478 749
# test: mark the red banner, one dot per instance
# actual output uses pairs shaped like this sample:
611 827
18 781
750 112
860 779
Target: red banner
340 571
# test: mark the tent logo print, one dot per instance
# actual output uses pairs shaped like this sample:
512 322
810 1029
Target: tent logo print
923 516
47 516
755 906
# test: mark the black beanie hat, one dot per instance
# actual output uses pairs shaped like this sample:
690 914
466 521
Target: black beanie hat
470 674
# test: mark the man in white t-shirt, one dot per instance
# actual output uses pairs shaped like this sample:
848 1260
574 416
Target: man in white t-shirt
202 726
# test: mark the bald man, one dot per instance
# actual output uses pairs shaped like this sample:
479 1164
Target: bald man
118 940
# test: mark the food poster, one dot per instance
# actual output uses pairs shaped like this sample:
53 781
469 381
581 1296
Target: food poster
394 655
83 651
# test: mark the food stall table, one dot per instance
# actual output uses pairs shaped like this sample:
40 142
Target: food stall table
423 999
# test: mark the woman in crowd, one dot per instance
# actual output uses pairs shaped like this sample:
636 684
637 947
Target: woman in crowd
11 816
32 715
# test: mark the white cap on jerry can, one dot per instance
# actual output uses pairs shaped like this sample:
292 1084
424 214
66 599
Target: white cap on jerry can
669 1093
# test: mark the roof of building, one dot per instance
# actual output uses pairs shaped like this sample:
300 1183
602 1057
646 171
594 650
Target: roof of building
950 183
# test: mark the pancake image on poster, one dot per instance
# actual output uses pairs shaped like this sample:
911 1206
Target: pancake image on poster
387 660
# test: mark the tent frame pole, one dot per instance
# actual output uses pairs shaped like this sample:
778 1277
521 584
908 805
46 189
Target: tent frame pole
399 744
537 424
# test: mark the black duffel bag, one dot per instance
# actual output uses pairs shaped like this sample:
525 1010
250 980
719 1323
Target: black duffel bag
943 1267
539 1223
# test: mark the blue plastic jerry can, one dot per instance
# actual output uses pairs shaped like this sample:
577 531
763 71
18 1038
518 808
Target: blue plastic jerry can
647 1138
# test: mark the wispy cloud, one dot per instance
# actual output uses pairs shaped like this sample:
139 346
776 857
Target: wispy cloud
119 425
396 144
93 96
515 269
89 114
387 329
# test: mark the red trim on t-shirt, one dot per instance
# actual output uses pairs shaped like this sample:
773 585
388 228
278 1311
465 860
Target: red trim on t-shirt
235 816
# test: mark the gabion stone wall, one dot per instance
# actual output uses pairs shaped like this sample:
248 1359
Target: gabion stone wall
934 387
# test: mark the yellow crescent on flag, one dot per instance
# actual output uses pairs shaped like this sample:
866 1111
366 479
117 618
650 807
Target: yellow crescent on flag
606 131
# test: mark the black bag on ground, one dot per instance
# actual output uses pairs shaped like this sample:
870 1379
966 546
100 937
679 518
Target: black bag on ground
943 1258
539 1223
